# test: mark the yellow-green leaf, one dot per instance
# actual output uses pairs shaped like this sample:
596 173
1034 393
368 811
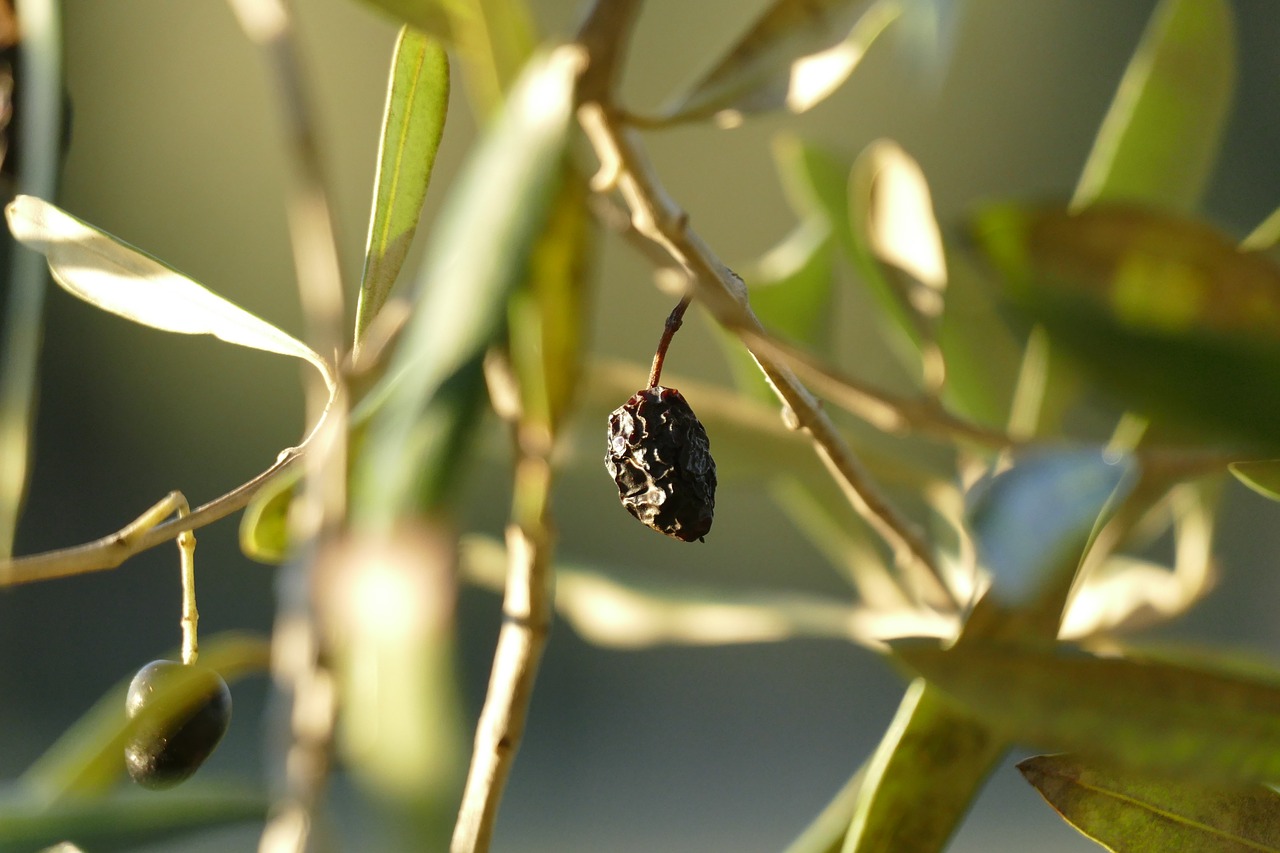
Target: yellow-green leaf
1135 813
1263 476
429 16
911 768
116 277
796 54
1146 714
413 122
1164 312
1159 141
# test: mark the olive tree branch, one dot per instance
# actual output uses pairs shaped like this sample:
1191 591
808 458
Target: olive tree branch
625 167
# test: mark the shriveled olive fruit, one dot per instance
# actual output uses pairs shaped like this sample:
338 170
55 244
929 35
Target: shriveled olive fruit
660 458
183 711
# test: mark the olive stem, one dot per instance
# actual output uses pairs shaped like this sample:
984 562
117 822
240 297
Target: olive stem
674 321
187 563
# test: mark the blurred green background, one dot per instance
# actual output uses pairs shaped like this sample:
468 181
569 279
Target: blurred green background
176 149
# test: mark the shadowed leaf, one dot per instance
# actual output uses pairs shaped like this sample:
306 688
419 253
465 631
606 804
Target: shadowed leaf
1263 476
1133 813
1166 313
1160 138
413 122
1144 714
429 16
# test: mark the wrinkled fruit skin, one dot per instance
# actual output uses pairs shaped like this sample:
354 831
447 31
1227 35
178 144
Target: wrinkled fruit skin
167 748
660 458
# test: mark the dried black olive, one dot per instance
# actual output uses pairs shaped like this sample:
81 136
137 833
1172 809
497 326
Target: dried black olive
660 458
174 736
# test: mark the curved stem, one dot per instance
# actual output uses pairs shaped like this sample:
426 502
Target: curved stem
674 321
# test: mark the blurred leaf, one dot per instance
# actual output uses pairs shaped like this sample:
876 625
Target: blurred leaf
1031 524
264 526
124 821
1265 236
429 16
413 122
1164 312
1160 138
1144 714
36 131
981 354
1263 476
911 768
547 314
897 248
89 757
114 276
796 54
494 39
1133 813
815 183
478 252
612 608
790 289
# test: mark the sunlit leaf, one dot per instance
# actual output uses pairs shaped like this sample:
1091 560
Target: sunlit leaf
1159 141
1031 523
123 821
1262 476
1155 715
413 122
826 832
429 16
909 768
898 250
616 609
1265 235
1165 313
87 758
264 525
1135 813
114 276
478 252
796 54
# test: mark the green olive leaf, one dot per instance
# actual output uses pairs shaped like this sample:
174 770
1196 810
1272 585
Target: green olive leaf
429 16
1165 313
1147 714
1159 141
413 122
1142 813
116 277
796 54
1263 476
908 769
478 253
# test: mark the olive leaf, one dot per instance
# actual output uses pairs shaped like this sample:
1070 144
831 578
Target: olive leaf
1263 476
1143 813
112 275
796 54
1159 141
413 122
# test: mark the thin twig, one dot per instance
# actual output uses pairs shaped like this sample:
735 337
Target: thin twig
674 321
626 168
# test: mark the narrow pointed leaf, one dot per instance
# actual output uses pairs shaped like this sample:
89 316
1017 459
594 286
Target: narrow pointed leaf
1263 476
1159 140
794 56
1163 312
1152 714
1134 813
114 276
478 252
413 122
911 768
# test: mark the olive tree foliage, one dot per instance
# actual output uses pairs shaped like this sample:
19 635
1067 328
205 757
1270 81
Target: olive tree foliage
993 541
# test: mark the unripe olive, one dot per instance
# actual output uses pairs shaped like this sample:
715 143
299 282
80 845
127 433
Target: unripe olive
176 731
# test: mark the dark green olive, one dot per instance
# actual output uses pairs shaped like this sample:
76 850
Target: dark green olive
182 712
